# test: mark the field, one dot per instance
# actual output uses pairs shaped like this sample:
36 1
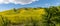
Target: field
31 17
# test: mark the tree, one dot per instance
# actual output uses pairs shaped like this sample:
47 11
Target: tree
51 11
14 10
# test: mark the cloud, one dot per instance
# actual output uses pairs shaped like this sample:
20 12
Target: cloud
22 2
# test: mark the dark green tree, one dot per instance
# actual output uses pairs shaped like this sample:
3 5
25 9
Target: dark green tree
15 10
51 11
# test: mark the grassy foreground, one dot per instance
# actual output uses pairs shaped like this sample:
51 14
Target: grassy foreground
31 17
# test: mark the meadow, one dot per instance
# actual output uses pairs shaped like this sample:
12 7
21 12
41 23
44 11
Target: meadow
31 16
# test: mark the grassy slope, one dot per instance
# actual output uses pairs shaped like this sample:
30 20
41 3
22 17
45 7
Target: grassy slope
24 15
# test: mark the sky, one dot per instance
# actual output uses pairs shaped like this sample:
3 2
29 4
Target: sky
9 4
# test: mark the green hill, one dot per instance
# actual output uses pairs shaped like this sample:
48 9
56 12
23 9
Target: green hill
30 17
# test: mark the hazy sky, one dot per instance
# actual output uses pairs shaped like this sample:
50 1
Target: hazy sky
8 4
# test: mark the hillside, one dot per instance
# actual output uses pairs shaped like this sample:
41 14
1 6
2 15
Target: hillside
30 17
